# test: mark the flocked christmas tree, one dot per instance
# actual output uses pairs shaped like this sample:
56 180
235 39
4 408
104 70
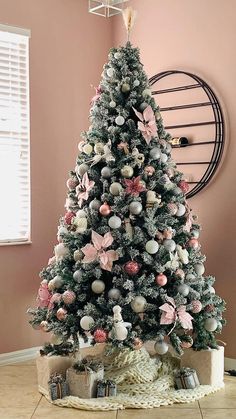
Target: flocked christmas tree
127 267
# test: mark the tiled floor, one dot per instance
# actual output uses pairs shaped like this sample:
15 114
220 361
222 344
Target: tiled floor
19 399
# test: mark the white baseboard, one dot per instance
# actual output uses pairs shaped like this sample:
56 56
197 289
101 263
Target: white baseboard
18 356
230 364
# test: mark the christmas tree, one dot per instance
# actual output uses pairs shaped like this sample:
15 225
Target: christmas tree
127 267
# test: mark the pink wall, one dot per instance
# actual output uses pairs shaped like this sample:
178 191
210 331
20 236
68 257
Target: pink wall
200 37
67 51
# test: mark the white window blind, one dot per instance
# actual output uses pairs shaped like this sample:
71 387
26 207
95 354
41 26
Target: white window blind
14 136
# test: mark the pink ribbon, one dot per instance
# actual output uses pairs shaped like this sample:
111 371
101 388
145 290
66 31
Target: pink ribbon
96 251
147 126
83 189
170 314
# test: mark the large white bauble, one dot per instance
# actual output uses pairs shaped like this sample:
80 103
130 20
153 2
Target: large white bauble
81 214
121 332
114 293
120 120
183 289
181 210
81 169
161 347
110 72
115 188
136 83
99 148
127 171
95 204
81 224
61 251
135 207
155 153
87 322
211 324
169 245
152 247
114 222
199 268
138 304
98 286
87 149
77 275
106 172
112 104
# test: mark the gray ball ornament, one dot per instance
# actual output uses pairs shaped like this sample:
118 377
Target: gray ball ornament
199 269
114 293
115 188
169 245
211 324
136 83
114 222
155 153
127 171
161 347
106 172
138 304
95 204
183 289
82 169
98 286
110 72
120 120
77 275
112 104
135 207
181 210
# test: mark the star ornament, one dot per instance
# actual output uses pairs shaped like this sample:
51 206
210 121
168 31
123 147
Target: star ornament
134 186
147 123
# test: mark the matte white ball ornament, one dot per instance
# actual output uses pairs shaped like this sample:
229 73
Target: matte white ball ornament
81 169
155 153
212 290
115 188
199 268
120 120
152 247
110 72
117 55
87 322
61 251
169 245
138 304
114 293
114 222
181 210
211 324
106 172
164 158
77 275
161 347
183 289
55 283
95 204
81 214
112 104
87 149
99 148
136 83
127 171
98 286
135 207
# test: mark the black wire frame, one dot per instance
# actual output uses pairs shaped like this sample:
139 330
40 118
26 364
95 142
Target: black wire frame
219 140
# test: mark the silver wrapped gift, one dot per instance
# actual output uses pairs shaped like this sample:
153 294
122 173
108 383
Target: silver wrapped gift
186 378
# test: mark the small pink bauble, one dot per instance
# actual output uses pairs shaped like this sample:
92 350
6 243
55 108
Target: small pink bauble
193 243
172 208
168 234
132 267
186 345
196 306
105 209
184 186
44 326
100 336
161 279
61 314
149 170
69 217
71 183
180 273
68 297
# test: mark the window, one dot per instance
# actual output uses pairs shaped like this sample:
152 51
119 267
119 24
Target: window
14 136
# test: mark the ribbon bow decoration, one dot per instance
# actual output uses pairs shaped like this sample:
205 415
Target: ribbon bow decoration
96 251
170 314
44 295
189 219
97 95
107 155
147 123
83 189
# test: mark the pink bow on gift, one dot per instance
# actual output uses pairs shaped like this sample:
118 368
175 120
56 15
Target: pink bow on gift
83 189
170 314
44 295
96 251
94 99
148 124
134 186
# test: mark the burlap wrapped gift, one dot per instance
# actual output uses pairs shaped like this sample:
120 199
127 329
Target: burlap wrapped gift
83 377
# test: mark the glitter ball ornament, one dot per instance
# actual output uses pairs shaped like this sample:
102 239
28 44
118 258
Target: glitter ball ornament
44 325
55 298
81 214
184 186
172 208
169 245
180 273
99 148
114 222
77 275
199 268
146 93
161 347
120 120
110 72
117 55
193 243
114 293
125 88
112 104
211 324
181 210
137 344
68 297
100 336
149 170
127 171
81 169
78 255
87 149
155 153
136 83
87 322
138 304
115 188
161 280
61 251
68 217
106 172
105 209
152 247
196 306
61 313
132 267
183 289
95 204
71 183
135 207
98 286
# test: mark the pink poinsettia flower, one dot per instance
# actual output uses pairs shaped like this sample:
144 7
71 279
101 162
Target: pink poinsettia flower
44 296
94 99
134 186
96 251
83 189
170 314
147 123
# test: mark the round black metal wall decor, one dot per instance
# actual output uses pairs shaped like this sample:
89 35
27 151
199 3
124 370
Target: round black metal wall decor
193 116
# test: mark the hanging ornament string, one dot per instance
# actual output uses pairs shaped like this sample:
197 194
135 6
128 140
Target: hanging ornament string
129 17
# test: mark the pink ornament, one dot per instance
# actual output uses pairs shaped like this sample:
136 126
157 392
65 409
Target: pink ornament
68 297
61 313
97 251
71 183
180 273
209 308
69 217
172 208
186 345
94 99
55 298
168 234
105 209
159 235
149 170
52 260
44 295
196 306
132 268
161 279
44 326
100 336
184 186
193 243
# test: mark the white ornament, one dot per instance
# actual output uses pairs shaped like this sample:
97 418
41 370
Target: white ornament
135 207
117 55
61 231
114 293
147 92
81 224
81 169
120 120
87 322
195 234
181 210
55 283
155 153
120 327
169 245
190 277
81 214
112 104
87 149
114 222
127 171
211 324
138 304
99 148
152 198
98 286
110 72
77 275
77 255
152 247
125 87
95 204
61 251
212 290
115 188
136 83
183 289
164 158
161 347
106 172
183 254
199 269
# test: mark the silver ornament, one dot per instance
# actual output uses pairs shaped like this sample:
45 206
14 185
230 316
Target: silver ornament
169 245
120 120
138 304
98 286
125 88
135 207
152 247
81 214
164 158
106 172
112 104
143 106
190 277
183 289
87 322
77 275
110 72
161 347
114 222
181 210
212 290
114 293
81 169
127 171
95 204
136 83
199 269
117 55
155 153
115 188
211 324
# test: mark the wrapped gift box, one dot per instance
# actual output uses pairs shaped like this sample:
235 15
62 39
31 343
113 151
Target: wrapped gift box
58 387
209 365
186 378
83 379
